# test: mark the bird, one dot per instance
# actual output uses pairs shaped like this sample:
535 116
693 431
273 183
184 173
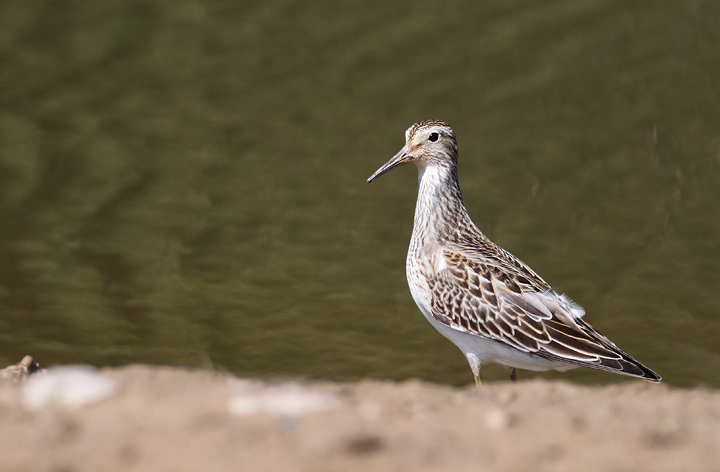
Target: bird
489 303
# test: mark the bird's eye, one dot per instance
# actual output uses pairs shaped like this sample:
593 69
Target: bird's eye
433 137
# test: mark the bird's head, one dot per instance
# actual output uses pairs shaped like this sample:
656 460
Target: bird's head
427 143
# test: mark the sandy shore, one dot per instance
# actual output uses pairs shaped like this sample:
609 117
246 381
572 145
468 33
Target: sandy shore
143 418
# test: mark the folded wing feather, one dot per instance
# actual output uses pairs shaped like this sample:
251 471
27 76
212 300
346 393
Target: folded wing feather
516 309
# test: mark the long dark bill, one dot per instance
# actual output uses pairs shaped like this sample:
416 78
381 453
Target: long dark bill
397 160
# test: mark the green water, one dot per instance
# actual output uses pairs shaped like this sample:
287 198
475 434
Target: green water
184 182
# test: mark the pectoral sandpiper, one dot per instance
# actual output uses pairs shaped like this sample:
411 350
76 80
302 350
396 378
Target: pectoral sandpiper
479 296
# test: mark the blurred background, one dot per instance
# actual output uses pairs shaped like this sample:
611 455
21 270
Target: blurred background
183 182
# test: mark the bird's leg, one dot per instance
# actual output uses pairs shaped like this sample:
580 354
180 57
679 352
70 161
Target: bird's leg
475 365
513 375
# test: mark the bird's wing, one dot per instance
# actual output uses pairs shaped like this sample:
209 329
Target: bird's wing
518 309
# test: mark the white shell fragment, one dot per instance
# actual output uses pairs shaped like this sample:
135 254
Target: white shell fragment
282 400
496 419
69 386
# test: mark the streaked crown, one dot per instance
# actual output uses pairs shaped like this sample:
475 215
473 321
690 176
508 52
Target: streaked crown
431 140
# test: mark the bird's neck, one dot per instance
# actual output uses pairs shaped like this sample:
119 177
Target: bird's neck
440 210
